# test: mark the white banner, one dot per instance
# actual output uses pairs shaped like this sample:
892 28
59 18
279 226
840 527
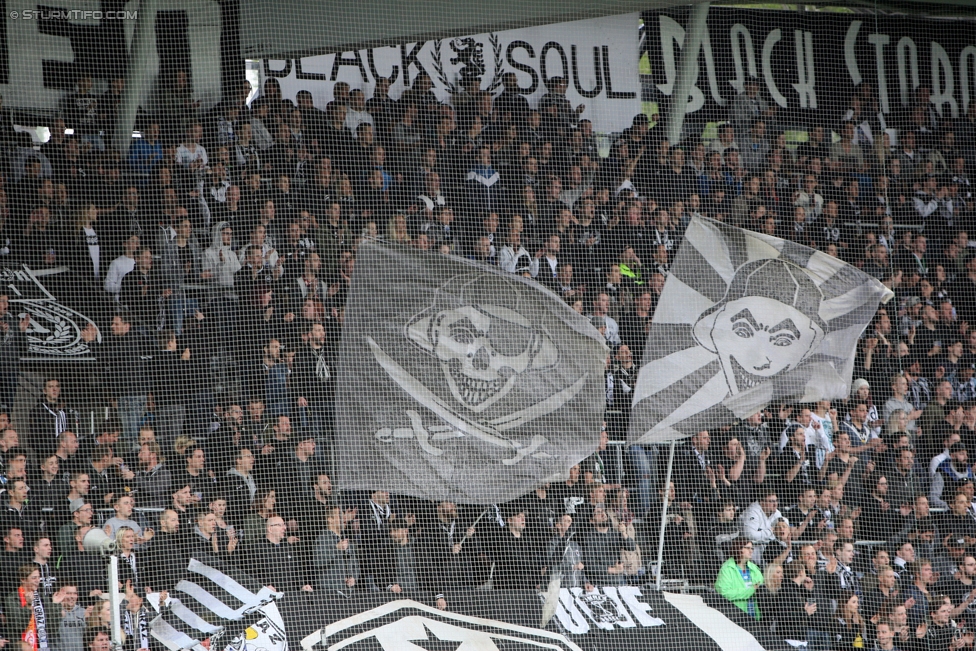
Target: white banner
597 57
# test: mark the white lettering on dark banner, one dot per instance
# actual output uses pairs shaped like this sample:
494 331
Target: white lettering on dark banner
796 54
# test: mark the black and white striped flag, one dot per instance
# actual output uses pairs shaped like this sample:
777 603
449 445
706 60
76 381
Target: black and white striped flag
212 604
746 320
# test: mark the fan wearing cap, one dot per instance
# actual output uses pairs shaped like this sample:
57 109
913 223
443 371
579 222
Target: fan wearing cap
951 473
81 516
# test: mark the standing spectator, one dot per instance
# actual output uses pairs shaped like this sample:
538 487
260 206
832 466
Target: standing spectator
275 563
81 516
154 482
564 555
121 266
72 629
757 521
602 547
48 418
239 486
144 292
335 558
170 373
949 475
166 557
739 578
123 358
314 386
515 556
124 505
43 553
31 614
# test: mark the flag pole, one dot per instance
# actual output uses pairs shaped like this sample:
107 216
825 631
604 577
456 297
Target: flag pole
664 516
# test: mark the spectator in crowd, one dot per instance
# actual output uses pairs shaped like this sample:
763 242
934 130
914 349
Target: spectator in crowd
275 563
28 611
739 578
335 559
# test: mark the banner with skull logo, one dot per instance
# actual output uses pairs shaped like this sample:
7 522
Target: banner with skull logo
461 382
746 320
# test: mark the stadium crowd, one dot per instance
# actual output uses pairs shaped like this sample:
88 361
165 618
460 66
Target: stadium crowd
217 256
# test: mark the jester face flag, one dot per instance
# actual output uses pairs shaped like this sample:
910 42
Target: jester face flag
746 320
461 382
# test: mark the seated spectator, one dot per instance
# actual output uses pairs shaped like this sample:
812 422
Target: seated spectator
205 542
849 629
885 590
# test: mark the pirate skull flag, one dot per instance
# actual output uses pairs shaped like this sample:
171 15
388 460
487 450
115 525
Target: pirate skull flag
746 320
461 382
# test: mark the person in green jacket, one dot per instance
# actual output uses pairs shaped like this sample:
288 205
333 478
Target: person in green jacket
739 578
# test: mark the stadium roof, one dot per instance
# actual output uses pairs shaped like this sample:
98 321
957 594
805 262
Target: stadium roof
290 29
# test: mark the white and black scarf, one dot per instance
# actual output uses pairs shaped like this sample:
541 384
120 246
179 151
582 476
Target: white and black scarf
40 621
60 419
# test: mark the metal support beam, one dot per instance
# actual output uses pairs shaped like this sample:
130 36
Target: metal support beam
115 603
664 516
687 65
135 75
